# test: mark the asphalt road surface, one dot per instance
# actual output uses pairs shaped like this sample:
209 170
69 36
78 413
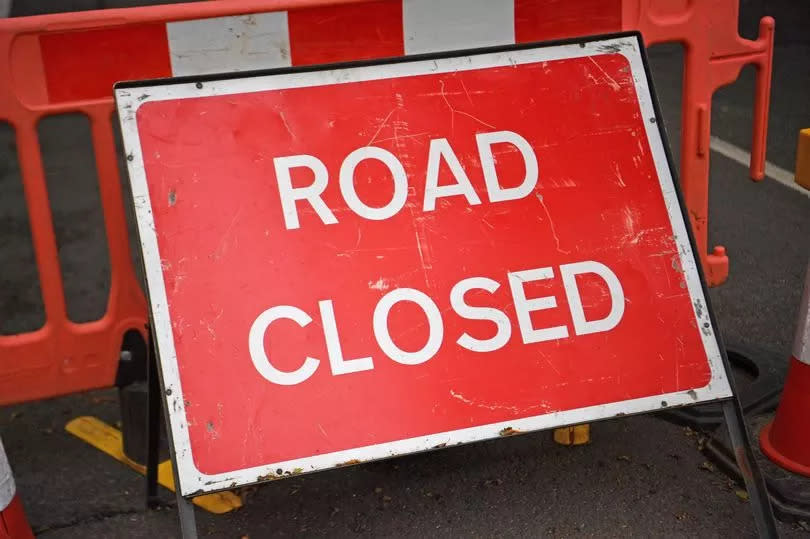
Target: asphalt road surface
640 476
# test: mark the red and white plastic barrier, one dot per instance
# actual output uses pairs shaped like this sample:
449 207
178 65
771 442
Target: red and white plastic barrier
786 440
68 63
13 524
284 38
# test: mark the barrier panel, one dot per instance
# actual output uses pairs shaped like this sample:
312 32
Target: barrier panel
69 62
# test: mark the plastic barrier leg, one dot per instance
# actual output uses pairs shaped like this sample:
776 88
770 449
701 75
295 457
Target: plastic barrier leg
13 524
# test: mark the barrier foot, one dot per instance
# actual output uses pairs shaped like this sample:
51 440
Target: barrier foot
789 492
716 266
108 439
576 435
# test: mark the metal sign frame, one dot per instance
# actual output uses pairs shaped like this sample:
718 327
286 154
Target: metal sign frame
190 481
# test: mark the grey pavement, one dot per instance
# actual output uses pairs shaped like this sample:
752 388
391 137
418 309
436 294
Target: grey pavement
640 476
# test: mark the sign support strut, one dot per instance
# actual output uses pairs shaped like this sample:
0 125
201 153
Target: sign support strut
152 427
185 507
185 511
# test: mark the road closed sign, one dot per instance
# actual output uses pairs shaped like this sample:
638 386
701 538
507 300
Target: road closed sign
353 262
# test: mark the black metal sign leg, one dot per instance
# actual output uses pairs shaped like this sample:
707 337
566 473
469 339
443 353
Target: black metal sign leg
153 429
754 483
185 509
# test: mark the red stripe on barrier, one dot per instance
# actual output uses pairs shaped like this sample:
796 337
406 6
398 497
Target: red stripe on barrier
346 32
85 64
538 20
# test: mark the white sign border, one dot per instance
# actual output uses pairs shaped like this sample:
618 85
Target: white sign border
194 482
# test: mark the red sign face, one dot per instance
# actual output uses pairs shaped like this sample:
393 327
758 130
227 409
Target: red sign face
354 263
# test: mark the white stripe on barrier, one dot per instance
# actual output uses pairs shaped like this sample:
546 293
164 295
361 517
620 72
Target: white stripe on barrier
240 43
7 486
801 348
431 26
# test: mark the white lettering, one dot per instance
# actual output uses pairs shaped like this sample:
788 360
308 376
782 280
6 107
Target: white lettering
350 194
441 148
524 306
259 356
582 326
311 193
504 328
333 348
496 192
435 326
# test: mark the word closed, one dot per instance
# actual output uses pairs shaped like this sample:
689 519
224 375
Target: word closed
523 306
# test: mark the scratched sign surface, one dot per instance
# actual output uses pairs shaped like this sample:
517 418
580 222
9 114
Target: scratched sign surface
348 264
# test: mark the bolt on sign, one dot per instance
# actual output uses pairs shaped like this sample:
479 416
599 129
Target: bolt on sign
353 262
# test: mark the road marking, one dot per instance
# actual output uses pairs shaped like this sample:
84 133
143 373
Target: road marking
110 440
735 153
